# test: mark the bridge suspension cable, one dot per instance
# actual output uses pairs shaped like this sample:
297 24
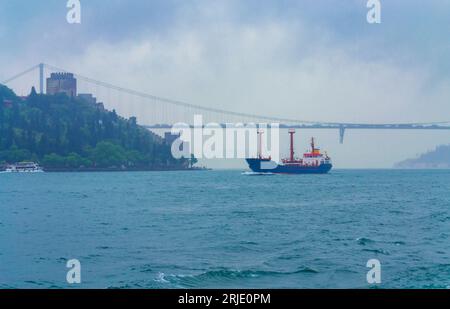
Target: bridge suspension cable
221 111
232 113
20 74
179 103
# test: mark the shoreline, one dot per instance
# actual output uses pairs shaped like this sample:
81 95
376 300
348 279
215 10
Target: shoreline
112 170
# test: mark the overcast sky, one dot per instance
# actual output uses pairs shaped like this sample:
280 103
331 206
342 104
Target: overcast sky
312 60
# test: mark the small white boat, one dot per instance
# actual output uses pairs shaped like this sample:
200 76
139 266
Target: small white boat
24 167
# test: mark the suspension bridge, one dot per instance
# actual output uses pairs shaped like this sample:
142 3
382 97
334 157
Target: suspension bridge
162 113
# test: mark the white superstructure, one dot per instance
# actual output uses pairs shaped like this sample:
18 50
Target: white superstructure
24 167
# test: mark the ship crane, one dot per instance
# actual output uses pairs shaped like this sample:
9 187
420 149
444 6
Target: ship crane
260 133
291 133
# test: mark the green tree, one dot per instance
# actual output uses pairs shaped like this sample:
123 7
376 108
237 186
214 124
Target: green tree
59 131
108 154
14 155
74 160
53 160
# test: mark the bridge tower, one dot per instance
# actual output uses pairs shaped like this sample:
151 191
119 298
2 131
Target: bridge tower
341 134
41 78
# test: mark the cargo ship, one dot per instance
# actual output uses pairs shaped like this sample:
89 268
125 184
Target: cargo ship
313 162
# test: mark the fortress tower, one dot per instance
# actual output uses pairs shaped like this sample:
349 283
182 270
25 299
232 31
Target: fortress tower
62 83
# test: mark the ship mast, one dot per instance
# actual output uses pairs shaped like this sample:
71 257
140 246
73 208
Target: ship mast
312 144
260 132
292 132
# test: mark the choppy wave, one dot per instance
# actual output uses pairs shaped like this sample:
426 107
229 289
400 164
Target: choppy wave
257 174
426 277
221 229
225 275
364 241
377 251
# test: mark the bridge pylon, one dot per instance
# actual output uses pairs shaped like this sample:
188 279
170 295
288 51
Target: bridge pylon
41 78
341 134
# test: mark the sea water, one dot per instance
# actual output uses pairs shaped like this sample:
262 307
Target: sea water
226 229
